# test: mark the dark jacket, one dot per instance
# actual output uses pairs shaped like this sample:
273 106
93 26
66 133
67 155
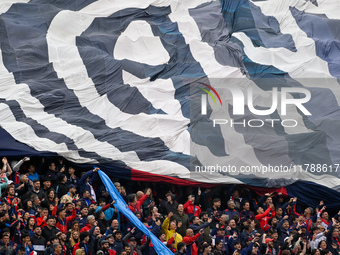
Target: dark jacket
139 248
39 244
185 222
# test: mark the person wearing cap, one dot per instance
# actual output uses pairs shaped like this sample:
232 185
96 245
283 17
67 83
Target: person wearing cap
70 195
221 236
308 213
118 243
62 220
104 246
110 239
268 245
108 209
82 218
100 252
135 249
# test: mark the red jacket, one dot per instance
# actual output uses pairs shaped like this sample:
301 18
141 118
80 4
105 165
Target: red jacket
191 241
62 224
41 222
263 218
87 228
135 208
189 209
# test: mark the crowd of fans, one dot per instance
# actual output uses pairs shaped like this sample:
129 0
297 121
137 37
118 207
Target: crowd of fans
48 208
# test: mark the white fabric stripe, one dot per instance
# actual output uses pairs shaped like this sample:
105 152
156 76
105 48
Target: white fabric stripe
301 64
64 55
158 93
330 8
204 54
39 247
23 132
82 138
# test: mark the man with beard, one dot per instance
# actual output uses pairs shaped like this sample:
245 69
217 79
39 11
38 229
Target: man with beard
273 223
195 224
70 195
181 249
66 246
38 242
283 229
215 210
104 246
180 216
36 191
206 234
269 246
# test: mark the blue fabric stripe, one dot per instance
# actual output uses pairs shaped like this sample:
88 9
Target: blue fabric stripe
122 207
27 59
326 35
